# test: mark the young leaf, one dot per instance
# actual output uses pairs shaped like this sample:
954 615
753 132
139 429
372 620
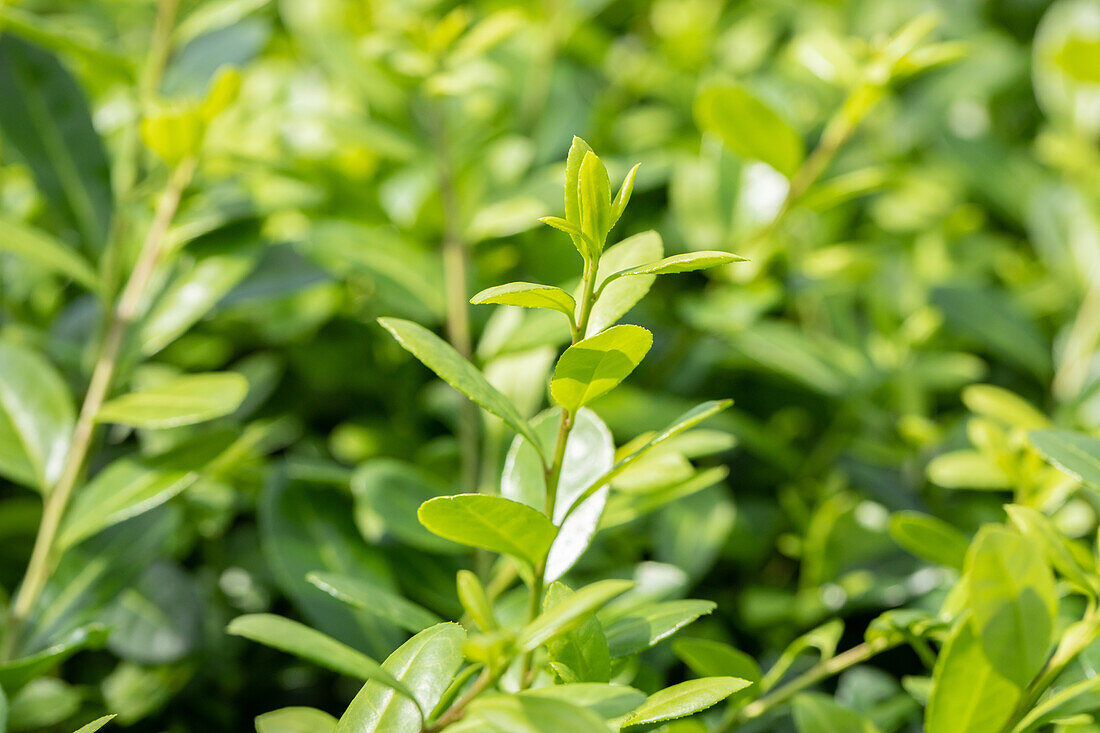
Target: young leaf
48 252
969 695
132 485
577 151
679 263
570 613
295 720
375 600
580 655
817 713
1012 601
96 724
46 118
533 714
749 128
300 640
492 523
642 628
1072 453
967 469
1041 531
472 596
441 358
36 418
528 295
618 206
184 400
929 538
714 659
596 365
686 698
594 196
427 663
998 403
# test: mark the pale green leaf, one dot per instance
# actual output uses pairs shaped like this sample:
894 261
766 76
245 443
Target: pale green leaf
1080 58
295 720
929 538
680 263
749 127
1075 454
817 713
300 640
684 699
969 695
183 400
967 469
475 601
46 251
606 700
96 724
596 365
618 206
528 295
1041 531
620 296
426 663
708 658
533 714
643 627
441 358
492 523
594 197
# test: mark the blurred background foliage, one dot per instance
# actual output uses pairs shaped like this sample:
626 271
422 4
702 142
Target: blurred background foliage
391 157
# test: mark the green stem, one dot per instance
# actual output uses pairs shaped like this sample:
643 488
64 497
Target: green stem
43 560
455 712
821 671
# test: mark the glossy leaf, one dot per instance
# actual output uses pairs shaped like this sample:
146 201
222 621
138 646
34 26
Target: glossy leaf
570 612
684 699
47 119
577 152
16 673
96 724
36 418
1075 454
425 663
528 295
594 198
300 640
644 627
596 365
749 127
492 523
441 358
969 695
688 262
376 600
622 198
184 400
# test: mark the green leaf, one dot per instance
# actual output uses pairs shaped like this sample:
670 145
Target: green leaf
46 118
475 601
36 418
596 365
18 672
1041 531
594 197
184 400
132 485
528 295
1000 404
580 655
618 206
969 695
570 612
714 659
158 619
577 151
96 724
300 640
620 296
643 627
448 364
749 128
492 523
606 700
427 663
376 600
1080 58
1072 453
46 251
43 703
686 698
680 263
685 422
295 720
589 453
817 713
388 494
967 469
1012 601
929 538
533 714
306 529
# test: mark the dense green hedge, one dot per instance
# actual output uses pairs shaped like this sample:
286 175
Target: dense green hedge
232 230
